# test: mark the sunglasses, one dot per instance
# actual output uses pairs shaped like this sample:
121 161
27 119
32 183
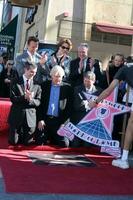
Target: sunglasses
10 63
63 47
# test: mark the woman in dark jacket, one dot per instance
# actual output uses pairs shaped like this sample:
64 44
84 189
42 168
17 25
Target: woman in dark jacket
8 74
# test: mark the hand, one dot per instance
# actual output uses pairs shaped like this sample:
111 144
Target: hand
44 59
92 104
85 103
41 125
62 125
28 95
7 80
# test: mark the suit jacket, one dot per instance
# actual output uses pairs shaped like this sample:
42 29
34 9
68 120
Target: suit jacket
79 110
22 108
76 78
42 70
65 101
64 62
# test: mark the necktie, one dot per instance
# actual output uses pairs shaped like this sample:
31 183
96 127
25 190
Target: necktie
27 85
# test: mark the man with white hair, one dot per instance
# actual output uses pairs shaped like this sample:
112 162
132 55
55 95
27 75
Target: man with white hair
55 108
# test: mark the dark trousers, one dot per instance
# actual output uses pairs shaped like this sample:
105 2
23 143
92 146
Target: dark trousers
49 134
21 135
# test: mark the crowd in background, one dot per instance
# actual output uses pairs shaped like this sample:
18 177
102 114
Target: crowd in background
56 95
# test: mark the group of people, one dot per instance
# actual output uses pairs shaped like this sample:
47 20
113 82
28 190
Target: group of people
49 90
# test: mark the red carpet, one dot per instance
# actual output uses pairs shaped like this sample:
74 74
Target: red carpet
5 105
22 176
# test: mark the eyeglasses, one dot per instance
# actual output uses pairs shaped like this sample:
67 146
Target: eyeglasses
10 63
63 47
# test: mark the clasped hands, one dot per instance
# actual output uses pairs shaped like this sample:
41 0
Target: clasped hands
28 95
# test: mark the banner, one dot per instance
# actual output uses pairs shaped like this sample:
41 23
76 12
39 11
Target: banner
96 127
8 37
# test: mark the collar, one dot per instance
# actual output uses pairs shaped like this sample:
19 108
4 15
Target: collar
89 90
55 85
32 56
25 80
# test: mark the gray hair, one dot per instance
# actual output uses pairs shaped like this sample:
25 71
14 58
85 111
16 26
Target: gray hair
57 69
84 45
90 75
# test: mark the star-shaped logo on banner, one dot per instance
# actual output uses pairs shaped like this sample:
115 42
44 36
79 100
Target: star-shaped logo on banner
102 116
96 127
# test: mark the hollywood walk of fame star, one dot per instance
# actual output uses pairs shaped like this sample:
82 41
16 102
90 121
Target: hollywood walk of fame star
105 112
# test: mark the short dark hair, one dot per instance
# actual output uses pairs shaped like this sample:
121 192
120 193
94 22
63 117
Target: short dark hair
129 59
120 55
32 38
30 65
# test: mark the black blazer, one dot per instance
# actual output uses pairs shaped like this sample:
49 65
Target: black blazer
22 108
79 110
76 78
6 86
65 101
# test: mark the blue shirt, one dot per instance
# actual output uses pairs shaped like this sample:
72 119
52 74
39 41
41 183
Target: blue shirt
53 108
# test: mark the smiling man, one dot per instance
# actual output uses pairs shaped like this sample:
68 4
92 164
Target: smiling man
55 108
25 97
30 54
82 64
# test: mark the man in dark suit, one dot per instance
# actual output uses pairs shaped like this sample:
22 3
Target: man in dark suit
80 102
82 64
25 97
30 54
55 108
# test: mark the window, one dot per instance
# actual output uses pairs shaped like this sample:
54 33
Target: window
110 37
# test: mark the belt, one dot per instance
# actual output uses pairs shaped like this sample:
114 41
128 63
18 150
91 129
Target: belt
51 117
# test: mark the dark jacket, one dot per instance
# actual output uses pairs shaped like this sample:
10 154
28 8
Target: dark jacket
76 78
65 101
79 110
